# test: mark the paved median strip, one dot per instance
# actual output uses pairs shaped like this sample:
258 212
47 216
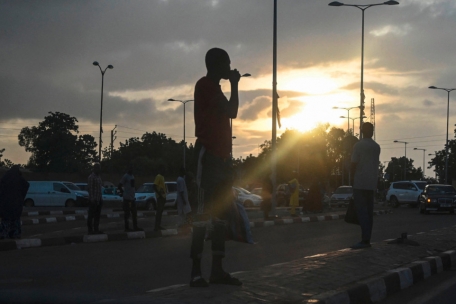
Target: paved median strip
81 216
37 242
379 288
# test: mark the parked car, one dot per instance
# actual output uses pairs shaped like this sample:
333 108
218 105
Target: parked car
256 191
110 194
283 195
246 198
405 192
55 193
145 196
438 198
342 196
82 186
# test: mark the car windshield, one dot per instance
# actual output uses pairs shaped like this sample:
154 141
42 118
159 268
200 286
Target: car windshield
72 186
421 185
243 190
146 189
344 191
441 190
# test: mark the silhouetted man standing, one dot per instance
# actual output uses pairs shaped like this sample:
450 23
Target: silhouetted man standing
214 174
128 195
364 168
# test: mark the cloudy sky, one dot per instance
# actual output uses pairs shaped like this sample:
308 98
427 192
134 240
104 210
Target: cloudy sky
157 48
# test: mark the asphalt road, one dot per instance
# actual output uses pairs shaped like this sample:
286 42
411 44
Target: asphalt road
98 271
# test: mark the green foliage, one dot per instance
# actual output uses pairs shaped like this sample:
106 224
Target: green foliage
316 155
147 154
55 148
439 162
395 169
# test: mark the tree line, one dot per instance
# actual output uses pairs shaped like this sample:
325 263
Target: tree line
319 155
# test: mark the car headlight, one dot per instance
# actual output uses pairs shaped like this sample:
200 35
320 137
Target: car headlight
141 198
79 194
431 200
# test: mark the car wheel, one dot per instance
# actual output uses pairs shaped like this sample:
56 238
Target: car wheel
29 203
394 202
248 204
70 203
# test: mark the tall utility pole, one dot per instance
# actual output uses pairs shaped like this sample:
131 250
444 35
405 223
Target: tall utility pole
372 116
274 111
113 138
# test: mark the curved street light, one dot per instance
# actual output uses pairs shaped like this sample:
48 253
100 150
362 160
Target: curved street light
348 116
353 121
101 109
446 143
183 102
362 7
424 153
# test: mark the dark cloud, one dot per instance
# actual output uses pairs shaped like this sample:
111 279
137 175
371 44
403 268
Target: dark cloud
47 49
254 109
376 87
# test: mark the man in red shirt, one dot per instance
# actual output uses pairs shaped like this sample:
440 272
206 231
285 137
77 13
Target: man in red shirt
213 112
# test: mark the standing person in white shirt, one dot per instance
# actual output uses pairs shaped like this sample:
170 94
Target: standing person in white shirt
364 171
183 204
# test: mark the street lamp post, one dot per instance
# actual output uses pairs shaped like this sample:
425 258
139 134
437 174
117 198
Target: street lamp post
362 7
348 116
435 172
101 110
183 102
448 115
424 153
405 159
353 121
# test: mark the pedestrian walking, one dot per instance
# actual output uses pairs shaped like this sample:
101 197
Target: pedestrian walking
94 187
293 185
127 190
266 195
212 114
13 189
160 195
364 168
183 204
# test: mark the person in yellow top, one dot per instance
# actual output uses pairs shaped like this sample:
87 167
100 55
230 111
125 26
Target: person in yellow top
294 195
160 195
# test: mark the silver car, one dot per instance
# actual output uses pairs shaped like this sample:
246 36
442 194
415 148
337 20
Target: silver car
246 198
145 196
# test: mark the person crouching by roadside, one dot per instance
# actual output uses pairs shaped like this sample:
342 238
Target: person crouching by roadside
13 189
95 186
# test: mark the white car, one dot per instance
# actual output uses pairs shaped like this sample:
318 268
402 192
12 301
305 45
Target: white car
145 196
246 198
342 196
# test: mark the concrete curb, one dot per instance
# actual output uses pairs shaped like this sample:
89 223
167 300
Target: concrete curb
121 236
377 289
83 216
